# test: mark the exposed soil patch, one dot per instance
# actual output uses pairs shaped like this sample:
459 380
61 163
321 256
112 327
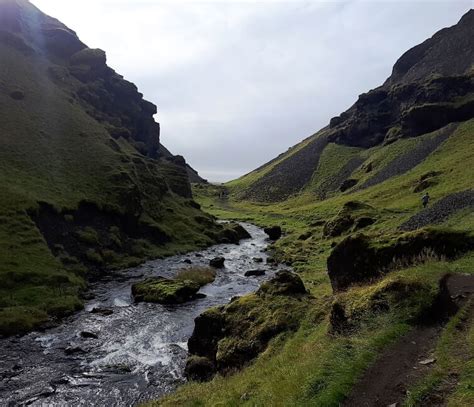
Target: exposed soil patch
388 379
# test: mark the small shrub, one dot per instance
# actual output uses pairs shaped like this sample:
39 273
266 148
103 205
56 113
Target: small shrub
88 236
94 257
200 275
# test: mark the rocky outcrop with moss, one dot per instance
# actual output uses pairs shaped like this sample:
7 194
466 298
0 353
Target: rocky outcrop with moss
85 185
227 338
359 259
165 291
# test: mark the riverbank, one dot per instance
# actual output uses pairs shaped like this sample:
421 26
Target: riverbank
330 353
116 352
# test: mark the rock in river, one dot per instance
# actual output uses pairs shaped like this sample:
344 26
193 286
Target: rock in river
165 291
257 272
217 262
273 232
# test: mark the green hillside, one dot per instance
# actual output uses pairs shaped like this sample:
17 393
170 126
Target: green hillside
84 188
382 270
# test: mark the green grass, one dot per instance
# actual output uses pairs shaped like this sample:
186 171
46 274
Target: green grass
452 377
52 150
198 274
332 160
313 367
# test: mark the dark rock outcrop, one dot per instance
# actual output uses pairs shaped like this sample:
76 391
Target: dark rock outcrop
348 184
284 283
354 215
254 273
89 335
233 233
358 259
338 225
431 86
102 311
273 232
199 368
363 222
217 262
228 337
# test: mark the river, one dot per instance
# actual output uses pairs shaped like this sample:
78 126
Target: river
140 350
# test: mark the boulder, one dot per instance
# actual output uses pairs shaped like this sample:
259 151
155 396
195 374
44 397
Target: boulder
102 311
89 335
338 225
165 291
17 95
227 338
233 233
273 232
199 368
423 185
254 273
258 260
363 222
217 262
347 184
73 350
284 283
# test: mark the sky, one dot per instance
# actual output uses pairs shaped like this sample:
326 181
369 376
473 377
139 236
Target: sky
239 82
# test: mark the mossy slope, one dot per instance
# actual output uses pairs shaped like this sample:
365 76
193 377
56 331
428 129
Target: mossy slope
84 188
396 151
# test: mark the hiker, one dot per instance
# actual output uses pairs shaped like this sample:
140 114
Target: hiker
425 199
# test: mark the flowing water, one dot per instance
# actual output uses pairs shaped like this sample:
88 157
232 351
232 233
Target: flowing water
140 349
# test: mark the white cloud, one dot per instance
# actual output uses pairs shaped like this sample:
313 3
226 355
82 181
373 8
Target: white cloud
238 82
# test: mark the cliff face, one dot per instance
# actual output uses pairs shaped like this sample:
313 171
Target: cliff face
85 185
431 86
83 73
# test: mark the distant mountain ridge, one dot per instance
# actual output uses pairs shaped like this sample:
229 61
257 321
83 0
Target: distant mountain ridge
431 86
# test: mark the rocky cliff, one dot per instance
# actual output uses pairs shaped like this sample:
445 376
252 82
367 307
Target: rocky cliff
431 86
85 185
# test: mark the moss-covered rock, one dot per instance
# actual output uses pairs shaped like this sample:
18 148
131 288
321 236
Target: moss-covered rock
358 259
353 215
228 337
338 225
412 298
165 291
232 233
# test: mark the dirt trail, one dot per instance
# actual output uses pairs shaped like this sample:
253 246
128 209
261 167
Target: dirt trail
386 382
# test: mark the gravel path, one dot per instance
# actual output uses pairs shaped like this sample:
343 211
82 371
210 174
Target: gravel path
440 210
410 159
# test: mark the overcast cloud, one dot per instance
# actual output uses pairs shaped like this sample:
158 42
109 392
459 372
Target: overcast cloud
237 83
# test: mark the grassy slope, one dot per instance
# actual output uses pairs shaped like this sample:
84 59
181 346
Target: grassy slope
312 367
51 150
